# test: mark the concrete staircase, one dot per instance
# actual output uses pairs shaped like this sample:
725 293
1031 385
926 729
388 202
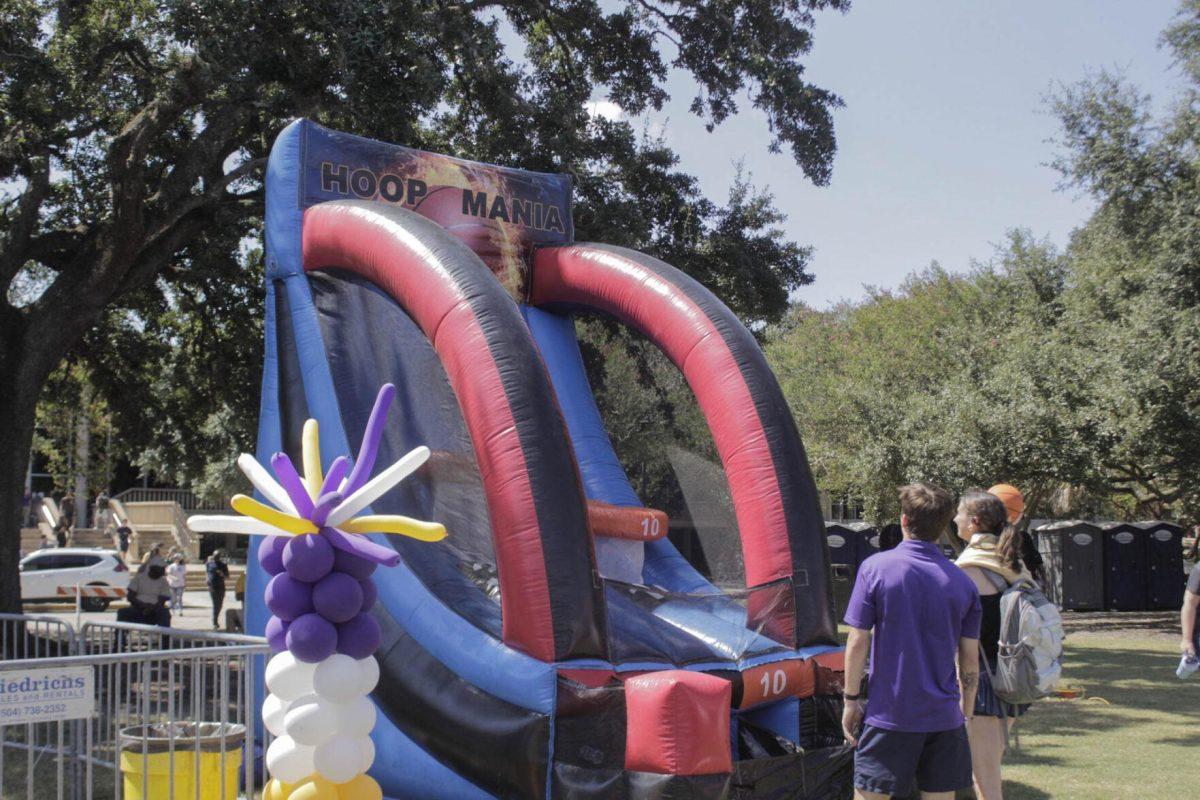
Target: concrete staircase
196 578
91 537
158 522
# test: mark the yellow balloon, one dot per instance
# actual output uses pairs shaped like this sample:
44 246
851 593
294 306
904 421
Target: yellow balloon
314 788
394 523
362 787
264 513
310 454
276 790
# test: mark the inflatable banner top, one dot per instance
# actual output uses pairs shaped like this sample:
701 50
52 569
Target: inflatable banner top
499 212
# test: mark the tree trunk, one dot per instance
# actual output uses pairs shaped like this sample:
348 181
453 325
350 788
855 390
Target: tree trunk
18 407
83 457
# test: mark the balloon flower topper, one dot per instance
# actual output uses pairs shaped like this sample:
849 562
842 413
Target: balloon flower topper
319 596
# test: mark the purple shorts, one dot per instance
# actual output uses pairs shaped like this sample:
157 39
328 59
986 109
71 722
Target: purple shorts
888 762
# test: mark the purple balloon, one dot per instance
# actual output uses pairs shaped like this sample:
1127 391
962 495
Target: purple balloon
352 565
308 557
337 597
357 638
370 593
371 436
288 598
276 631
311 638
270 553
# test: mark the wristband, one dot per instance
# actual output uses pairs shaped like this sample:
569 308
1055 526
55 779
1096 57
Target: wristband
848 696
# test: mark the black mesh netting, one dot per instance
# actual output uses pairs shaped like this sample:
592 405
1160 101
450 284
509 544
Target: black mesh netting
371 341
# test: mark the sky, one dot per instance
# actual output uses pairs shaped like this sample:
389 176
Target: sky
944 141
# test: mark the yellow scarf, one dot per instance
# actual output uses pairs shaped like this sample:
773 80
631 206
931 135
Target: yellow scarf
981 552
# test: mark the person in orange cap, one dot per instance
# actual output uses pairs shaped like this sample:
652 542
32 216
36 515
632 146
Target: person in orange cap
1014 501
1014 505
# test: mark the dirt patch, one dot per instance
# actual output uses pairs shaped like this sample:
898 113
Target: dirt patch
1123 624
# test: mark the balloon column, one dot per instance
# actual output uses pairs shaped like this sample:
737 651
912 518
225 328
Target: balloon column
319 596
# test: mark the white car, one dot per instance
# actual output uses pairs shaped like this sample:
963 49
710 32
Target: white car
45 571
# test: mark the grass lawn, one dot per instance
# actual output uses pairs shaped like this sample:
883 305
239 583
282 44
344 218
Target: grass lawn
1142 744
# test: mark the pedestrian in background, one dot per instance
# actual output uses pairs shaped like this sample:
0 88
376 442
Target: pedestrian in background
216 571
177 580
154 557
100 515
66 509
1189 642
123 534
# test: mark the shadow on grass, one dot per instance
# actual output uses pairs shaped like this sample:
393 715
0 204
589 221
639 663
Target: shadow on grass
1109 672
1186 741
1032 758
1021 791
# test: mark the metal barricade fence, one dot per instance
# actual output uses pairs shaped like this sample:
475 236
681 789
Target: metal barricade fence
173 713
126 637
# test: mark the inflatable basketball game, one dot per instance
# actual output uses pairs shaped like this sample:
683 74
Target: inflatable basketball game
555 643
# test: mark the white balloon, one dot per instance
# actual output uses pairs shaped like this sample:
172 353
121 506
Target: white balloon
367 749
368 674
312 720
357 717
273 710
337 679
289 677
339 759
288 761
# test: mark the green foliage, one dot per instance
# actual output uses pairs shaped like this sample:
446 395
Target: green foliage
942 380
133 136
68 396
1073 375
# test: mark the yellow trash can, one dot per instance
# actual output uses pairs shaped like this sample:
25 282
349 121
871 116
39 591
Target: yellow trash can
182 761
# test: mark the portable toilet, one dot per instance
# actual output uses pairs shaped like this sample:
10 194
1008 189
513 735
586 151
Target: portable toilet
1164 556
1073 562
848 546
849 542
1124 567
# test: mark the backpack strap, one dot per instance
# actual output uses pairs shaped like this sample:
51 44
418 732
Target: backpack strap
996 580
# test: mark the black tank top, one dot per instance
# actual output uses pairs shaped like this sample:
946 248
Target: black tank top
989 628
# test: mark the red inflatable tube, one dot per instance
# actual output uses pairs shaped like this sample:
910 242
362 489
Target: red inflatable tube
626 522
774 496
608 280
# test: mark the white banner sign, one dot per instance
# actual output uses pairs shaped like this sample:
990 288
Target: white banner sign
46 695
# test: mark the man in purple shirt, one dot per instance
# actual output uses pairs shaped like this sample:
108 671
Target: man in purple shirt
916 613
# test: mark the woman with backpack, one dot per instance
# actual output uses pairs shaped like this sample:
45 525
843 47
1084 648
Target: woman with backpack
993 549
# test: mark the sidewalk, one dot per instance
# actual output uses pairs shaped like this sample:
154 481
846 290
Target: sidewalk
196 616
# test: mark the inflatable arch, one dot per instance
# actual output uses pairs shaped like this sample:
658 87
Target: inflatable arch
556 644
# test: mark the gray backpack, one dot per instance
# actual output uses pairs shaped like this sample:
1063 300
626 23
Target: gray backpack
1029 661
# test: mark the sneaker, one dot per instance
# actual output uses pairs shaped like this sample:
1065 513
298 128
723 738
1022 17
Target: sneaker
1187 665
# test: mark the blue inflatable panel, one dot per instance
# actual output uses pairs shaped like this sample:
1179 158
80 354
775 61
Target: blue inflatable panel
782 718
604 478
413 773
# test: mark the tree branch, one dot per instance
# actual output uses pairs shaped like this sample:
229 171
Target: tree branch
15 247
